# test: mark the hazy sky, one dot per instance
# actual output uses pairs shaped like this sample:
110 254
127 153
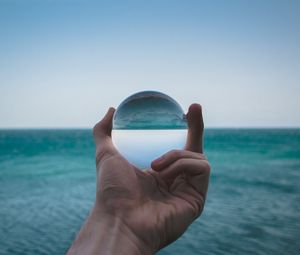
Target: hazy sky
63 63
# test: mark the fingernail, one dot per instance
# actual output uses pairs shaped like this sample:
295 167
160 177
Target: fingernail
109 112
111 109
158 160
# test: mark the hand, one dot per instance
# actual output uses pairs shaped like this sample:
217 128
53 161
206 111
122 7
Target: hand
147 210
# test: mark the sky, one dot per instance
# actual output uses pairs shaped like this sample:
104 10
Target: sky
63 62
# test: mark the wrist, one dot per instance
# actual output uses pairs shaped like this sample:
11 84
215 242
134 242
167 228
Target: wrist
107 234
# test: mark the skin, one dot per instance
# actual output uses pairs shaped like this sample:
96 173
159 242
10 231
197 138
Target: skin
140 212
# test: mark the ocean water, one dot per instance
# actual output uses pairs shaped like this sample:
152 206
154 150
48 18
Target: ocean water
47 186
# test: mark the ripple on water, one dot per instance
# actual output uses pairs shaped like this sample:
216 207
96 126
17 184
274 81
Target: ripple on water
252 206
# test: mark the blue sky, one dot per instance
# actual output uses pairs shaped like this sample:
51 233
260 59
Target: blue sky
63 63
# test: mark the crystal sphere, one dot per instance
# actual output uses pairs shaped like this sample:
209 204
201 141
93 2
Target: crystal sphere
146 125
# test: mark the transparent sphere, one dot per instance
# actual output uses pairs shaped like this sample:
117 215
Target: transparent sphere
146 125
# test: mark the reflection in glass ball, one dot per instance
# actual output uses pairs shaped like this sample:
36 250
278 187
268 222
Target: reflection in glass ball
147 125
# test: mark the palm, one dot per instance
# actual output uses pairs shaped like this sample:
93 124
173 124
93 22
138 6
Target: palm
145 197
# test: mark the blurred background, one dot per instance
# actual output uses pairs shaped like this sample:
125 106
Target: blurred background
63 63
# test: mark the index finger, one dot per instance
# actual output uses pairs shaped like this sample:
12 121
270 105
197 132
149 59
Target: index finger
194 140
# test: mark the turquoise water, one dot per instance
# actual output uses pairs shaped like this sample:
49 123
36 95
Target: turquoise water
47 185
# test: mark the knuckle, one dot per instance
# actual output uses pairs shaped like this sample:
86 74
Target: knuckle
206 166
175 153
182 162
203 156
199 204
102 154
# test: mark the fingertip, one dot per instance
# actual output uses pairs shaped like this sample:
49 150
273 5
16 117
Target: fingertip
108 116
196 126
104 126
195 107
156 164
108 120
159 163
110 112
194 115
111 109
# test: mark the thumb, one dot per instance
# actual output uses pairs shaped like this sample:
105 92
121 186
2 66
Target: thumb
103 127
195 129
102 136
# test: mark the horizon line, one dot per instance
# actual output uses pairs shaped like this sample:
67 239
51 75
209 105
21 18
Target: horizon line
90 128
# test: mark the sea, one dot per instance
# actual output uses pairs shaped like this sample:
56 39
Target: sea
47 187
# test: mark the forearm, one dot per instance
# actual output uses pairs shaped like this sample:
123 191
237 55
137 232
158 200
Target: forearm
104 234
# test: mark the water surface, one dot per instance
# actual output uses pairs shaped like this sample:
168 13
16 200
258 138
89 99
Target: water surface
47 186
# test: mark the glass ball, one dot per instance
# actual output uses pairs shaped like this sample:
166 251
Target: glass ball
146 125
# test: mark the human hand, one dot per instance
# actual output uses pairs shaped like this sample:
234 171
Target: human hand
143 211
